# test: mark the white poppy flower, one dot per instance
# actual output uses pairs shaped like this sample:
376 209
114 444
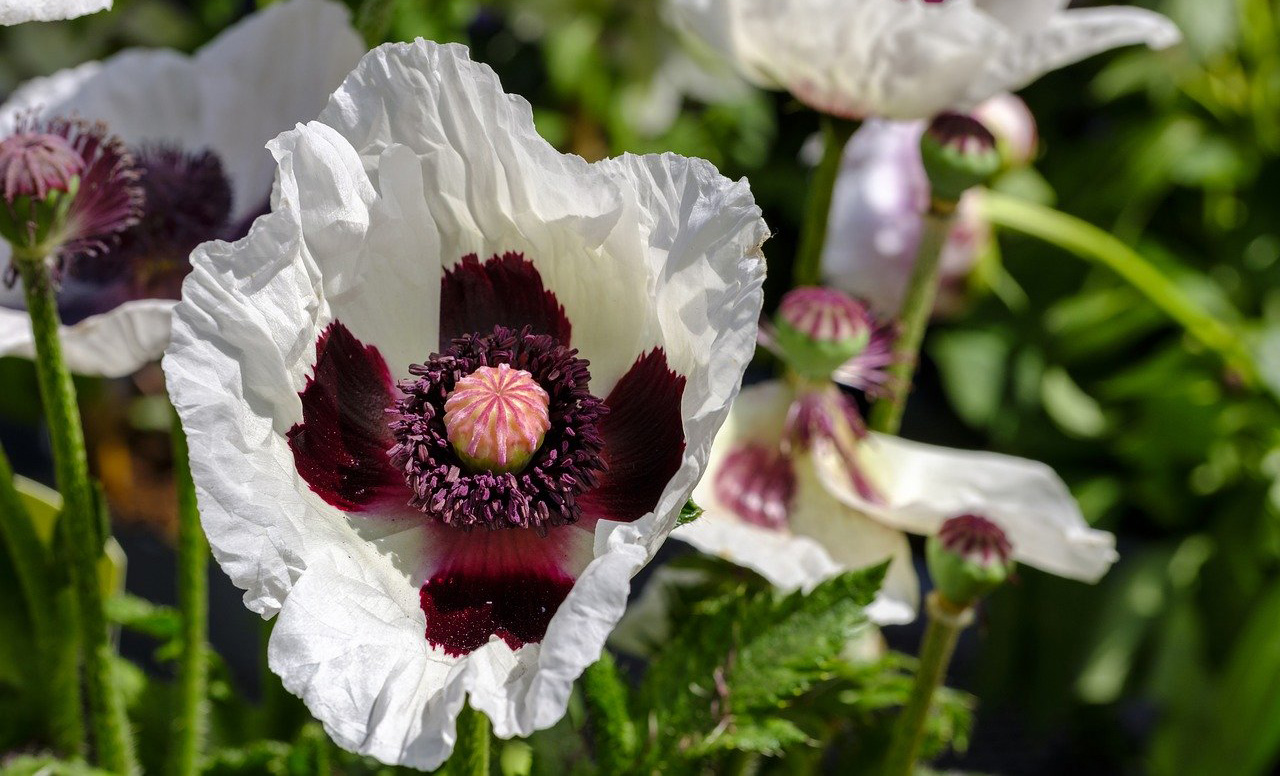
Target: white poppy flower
909 59
877 216
197 127
431 259
800 517
19 11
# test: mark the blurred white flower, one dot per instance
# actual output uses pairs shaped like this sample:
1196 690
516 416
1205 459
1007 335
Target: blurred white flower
877 216
909 59
799 516
197 127
19 11
424 236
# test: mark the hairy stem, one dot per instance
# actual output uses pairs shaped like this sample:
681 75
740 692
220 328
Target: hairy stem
615 733
112 738
940 636
190 723
922 289
813 232
471 752
1089 242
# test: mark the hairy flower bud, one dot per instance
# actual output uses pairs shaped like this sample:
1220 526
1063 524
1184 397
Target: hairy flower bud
39 176
969 557
958 153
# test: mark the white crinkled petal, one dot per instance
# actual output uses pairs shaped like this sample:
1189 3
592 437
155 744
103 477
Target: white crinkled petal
825 536
367 200
1067 37
111 344
1022 15
923 485
19 11
858 58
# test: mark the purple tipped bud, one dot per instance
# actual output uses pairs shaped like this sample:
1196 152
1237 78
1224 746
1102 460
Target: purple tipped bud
35 164
496 418
819 329
958 153
969 557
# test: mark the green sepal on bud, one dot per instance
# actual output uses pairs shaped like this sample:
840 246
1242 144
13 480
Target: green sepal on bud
816 359
33 225
968 558
958 153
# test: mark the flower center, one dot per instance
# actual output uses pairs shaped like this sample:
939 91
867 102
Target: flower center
499 431
976 539
496 418
34 164
187 200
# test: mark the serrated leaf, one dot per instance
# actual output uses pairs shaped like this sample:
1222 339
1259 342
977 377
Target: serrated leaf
770 736
737 661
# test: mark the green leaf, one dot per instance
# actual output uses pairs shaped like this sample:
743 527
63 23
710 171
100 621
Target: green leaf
139 614
738 661
688 513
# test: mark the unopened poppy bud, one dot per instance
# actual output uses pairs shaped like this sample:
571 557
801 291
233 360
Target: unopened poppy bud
818 329
969 557
496 418
958 153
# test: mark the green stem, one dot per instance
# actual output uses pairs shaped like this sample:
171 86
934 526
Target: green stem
615 733
940 636
922 289
471 752
1090 242
813 232
106 707
190 724
373 20
60 692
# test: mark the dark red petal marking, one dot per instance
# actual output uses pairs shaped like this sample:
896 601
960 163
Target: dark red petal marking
505 290
496 583
340 447
643 441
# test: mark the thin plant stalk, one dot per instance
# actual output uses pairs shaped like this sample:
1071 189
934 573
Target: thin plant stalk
112 738
1091 243
940 637
615 732
60 692
813 232
917 306
471 752
191 722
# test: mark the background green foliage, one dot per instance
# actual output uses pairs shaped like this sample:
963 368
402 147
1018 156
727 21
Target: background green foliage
1172 664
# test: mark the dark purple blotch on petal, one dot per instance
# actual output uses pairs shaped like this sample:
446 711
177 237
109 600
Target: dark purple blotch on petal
340 447
463 612
643 441
505 290
507 584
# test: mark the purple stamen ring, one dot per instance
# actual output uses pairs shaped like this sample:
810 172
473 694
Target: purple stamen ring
467 490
